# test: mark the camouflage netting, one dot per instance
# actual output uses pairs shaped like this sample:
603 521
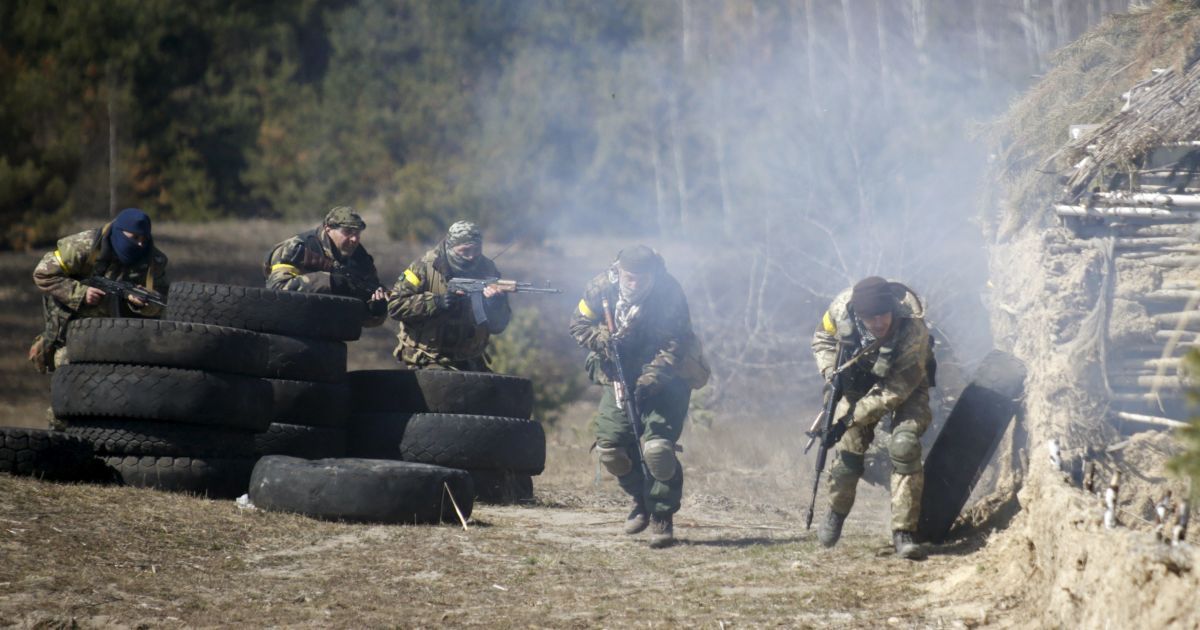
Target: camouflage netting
1057 300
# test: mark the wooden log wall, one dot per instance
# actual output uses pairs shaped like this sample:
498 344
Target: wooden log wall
1155 224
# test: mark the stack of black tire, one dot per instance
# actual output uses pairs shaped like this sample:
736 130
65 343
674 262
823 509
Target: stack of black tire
473 421
189 403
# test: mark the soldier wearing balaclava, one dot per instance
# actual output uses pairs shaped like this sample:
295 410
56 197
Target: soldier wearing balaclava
120 250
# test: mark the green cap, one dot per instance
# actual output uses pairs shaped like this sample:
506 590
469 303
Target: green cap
344 217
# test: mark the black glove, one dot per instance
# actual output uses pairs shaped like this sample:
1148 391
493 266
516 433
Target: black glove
377 307
835 433
446 301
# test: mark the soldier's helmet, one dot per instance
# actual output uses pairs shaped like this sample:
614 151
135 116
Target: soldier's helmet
344 217
463 232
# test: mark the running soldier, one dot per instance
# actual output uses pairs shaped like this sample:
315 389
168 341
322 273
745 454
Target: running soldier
330 259
662 360
893 376
121 250
437 326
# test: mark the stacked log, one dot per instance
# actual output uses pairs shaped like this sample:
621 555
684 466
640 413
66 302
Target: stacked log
1155 226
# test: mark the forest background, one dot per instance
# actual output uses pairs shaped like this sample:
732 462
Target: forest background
794 146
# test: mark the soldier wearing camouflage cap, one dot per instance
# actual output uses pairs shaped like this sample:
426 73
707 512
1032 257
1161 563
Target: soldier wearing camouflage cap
893 377
658 350
330 259
121 250
437 327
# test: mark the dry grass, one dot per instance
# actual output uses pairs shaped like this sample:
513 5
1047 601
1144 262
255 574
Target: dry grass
1083 87
92 555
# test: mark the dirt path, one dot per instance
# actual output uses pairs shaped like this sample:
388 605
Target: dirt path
97 556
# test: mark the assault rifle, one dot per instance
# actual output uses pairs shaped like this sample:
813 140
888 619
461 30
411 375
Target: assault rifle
831 430
474 287
121 290
623 389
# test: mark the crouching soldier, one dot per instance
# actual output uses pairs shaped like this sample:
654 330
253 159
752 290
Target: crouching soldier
893 375
330 259
638 312
121 250
438 329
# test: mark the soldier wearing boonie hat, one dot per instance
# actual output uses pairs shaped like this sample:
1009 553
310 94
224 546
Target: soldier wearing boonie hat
437 327
330 259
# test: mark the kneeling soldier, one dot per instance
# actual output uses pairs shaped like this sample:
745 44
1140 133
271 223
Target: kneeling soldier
121 250
637 311
330 259
892 376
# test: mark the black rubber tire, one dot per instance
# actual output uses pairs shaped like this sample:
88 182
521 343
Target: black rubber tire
51 455
212 477
289 313
968 439
502 487
121 436
164 394
310 403
300 441
376 435
361 490
441 391
205 347
475 442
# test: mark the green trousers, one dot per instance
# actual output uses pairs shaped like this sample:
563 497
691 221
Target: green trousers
662 417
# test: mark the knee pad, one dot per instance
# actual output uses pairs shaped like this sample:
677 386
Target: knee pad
849 465
615 460
660 458
905 451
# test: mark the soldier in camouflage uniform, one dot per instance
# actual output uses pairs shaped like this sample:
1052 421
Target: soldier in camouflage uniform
330 259
894 377
437 327
659 350
121 250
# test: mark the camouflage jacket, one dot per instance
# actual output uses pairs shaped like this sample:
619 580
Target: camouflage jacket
86 254
430 336
659 338
307 262
883 379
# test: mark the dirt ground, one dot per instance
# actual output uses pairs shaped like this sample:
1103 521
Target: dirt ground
95 556
91 556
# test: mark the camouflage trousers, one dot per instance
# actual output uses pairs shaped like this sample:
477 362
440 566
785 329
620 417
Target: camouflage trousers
49 349
662 417
909 422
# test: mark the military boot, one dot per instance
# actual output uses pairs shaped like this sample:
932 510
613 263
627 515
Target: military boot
638 519
905 547
662 531
829 531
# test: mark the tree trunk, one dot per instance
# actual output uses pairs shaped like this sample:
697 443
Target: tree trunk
110 88
881 32
810 55
677 155
981 43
